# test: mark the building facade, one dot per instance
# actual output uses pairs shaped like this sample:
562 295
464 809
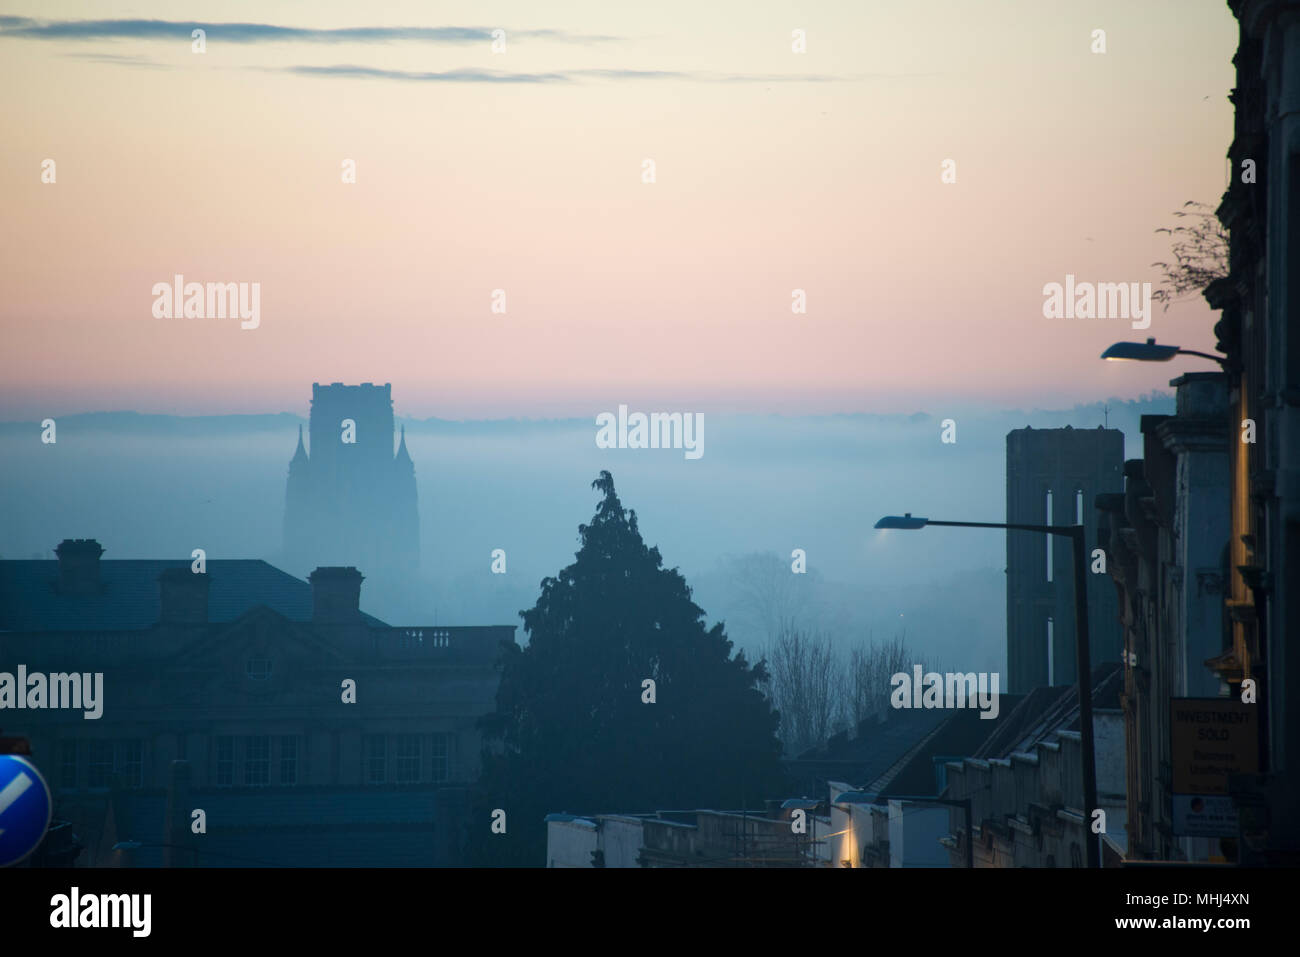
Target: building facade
308 731
1166 542
1260 336
676 839
1053 476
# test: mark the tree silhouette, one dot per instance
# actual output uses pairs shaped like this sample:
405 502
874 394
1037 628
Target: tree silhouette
572 731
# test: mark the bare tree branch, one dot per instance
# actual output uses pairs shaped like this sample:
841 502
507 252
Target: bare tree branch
1200 254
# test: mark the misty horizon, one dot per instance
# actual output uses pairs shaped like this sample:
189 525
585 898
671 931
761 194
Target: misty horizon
521 485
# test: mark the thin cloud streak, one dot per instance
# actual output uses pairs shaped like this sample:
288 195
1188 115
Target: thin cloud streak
448 76
29 28
118 60
568 76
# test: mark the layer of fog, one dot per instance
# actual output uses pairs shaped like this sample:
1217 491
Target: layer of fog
155 487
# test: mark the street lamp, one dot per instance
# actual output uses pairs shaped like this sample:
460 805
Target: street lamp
1149 351
1083 663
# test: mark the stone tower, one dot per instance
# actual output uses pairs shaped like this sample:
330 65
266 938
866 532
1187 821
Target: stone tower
1053 478
349 500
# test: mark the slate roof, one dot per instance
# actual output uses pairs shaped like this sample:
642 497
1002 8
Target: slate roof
961 735
128 599
879 743
1047 710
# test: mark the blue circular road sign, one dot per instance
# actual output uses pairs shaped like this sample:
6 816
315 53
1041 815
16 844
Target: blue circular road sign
25 808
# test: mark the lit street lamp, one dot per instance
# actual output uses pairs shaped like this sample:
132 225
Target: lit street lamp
1149 351
1083 656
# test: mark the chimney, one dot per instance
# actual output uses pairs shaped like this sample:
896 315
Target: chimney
79 566
183 597
335 595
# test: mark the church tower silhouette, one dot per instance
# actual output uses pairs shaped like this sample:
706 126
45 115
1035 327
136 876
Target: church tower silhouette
349 499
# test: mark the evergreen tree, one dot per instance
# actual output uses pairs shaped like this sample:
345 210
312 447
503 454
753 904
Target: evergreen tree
572 731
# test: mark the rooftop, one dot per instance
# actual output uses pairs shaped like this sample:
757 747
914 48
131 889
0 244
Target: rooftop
128 596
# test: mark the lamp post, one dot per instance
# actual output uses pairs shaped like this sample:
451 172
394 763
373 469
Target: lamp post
1083 656
1150 351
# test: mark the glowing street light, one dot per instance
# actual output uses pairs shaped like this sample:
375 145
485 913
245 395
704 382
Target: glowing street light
1150 351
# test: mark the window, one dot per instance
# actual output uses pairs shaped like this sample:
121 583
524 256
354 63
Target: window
130 762
225 761
259 669
1051 652
1050 539
376 758
408 758
288 759
100 764
439 762
257 759
1078 506
68 764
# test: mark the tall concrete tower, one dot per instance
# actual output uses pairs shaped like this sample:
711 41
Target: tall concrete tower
1053 477
350 501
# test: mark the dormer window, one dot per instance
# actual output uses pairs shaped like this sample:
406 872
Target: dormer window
259 669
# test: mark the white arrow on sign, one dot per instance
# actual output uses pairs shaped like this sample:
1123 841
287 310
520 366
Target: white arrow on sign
12 790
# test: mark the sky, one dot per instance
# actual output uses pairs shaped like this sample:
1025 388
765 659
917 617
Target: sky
523 171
